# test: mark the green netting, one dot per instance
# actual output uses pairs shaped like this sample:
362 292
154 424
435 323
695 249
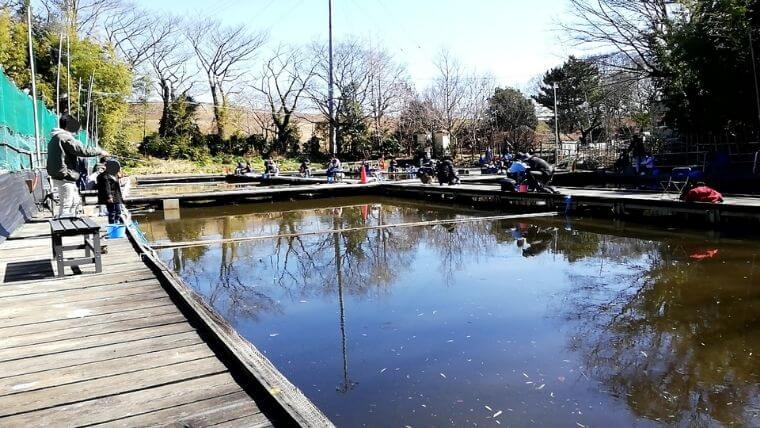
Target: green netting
17 127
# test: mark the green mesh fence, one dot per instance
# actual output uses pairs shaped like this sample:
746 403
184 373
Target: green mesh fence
17 147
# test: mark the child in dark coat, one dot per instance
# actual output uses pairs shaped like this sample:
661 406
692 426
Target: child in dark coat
109 192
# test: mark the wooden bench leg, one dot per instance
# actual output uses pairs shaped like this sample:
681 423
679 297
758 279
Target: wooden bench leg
58 254
87 252
96 244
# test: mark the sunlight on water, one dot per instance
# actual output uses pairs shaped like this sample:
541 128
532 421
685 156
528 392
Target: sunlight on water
572 323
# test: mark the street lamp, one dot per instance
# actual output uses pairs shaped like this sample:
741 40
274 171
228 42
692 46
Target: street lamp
556 124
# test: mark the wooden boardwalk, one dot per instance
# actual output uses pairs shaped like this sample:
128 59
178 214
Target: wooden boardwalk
108 349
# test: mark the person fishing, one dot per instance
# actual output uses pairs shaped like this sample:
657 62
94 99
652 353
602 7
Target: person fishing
541 171
333 169
64 152
446 172
109 191
638 152
305 168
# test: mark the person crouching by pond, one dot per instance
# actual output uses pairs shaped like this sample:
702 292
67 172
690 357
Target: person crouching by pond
64 152
701 192
109 192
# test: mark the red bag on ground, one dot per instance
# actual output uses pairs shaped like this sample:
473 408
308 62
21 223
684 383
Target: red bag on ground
703 194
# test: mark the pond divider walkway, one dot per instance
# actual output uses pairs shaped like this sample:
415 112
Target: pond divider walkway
131 346
615 203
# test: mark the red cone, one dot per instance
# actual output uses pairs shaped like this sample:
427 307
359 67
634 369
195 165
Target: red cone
363 175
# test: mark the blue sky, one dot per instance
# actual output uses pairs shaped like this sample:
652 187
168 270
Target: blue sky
514 40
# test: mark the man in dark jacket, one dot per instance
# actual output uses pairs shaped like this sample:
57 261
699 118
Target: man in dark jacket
62 160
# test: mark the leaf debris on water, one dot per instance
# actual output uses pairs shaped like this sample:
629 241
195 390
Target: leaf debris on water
383 369
541 386
580 425
274 334
644 354
488 408
496 415
442 375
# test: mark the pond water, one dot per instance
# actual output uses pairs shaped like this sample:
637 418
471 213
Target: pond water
483 323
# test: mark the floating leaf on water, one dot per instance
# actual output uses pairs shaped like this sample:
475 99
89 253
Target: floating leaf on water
488 408
496 415
274 334
580 425
541 386
526 375
450 340
644 354
442 375
384 369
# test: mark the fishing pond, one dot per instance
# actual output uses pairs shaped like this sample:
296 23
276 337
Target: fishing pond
390 312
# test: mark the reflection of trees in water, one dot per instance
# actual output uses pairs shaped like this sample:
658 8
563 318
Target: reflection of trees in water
672 338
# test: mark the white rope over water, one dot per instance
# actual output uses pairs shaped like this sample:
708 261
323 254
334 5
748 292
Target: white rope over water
186 244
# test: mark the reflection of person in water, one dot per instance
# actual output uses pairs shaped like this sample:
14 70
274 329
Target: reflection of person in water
538 240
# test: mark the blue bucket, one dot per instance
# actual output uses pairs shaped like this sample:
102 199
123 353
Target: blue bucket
116 231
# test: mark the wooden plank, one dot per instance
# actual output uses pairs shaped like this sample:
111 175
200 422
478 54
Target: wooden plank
80 327
257 420
196 414
108 386
119 274
100 369
42 301
84 356
162 327
148 302
81 294
116 407
23 315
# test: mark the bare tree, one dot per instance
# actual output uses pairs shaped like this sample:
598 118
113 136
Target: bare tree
169 62
84 16
389 84
135 33
222 53
447 93
474 108
283 82
352 82
633 28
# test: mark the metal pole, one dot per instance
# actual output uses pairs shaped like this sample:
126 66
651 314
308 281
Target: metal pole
330 101
58 78
34 83
556 125
68 73
754 72
79 100
87 114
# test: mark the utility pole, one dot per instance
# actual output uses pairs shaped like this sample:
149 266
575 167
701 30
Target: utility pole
34 83
68 73
58 78
754 72
558 142
89 102
79 100
330 101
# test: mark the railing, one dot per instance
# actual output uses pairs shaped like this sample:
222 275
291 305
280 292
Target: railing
19 151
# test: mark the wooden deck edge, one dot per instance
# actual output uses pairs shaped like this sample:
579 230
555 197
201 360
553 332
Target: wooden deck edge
292 404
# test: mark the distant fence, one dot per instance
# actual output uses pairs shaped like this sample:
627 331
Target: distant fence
17 149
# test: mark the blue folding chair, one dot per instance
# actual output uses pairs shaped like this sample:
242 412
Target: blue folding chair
678 179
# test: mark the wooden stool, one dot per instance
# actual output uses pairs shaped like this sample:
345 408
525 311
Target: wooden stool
76 226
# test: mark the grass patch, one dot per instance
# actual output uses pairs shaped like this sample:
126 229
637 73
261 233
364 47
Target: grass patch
155 166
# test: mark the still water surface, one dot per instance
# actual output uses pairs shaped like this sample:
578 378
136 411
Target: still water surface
497 323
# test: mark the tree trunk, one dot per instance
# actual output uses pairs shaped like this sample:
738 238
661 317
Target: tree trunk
166 98
218 111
